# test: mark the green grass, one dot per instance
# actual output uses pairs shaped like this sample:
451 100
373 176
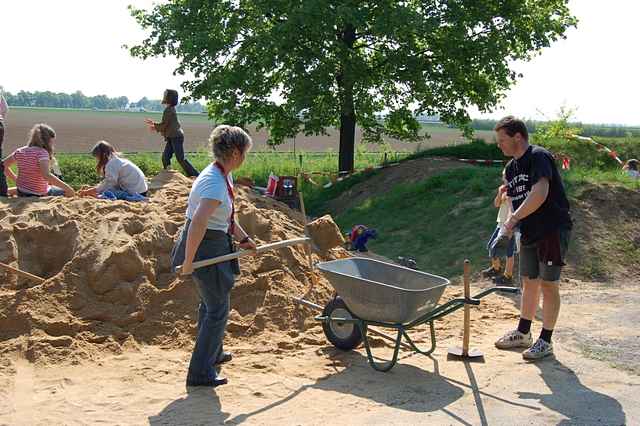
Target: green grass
439 221
79 169
578 176
444 219
582 154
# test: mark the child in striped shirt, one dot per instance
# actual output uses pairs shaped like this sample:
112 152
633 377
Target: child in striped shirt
34 162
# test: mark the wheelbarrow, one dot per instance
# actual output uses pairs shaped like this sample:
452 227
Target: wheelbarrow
375 293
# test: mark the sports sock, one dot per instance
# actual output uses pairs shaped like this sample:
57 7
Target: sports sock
524 326
546 335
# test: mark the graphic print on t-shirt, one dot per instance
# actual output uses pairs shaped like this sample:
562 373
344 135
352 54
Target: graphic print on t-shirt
521 175
519 188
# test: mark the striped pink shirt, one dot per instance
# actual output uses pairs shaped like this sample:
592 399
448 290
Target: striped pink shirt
30 177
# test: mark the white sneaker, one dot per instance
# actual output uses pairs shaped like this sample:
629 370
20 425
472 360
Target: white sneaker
540 349
514 339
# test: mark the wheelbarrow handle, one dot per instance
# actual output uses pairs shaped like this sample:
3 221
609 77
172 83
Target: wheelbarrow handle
242 253
506 289
462 301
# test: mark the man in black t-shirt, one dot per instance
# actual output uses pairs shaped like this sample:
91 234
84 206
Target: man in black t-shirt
541 211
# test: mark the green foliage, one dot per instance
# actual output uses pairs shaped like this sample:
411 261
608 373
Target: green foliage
478 149
558 137
577 177
79 169
307 65
586 129
558 128
79 101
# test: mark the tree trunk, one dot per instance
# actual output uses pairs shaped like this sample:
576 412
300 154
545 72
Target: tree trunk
347 137
347 107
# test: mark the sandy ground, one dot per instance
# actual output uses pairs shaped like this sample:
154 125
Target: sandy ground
106 338
313 383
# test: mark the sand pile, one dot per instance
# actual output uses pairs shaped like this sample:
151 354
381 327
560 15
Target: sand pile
109 284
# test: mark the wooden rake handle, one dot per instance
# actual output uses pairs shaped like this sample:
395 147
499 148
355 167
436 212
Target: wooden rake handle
242 253
22 273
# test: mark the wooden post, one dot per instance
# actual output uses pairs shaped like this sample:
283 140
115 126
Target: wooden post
467 310
307 246
464 352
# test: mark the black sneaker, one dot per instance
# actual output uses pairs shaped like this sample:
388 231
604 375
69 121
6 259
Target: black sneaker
503 280
218 381
224 358
490 272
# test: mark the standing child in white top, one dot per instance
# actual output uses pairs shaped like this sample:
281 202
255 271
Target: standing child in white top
503 203
119 173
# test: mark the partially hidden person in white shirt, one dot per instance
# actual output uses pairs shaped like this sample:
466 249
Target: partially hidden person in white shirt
632 167
119 174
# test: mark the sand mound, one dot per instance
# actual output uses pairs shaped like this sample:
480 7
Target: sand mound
109 284
325 233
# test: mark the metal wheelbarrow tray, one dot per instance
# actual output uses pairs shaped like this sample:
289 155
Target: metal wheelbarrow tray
371 292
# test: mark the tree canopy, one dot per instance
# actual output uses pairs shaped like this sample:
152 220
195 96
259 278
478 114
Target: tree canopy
305 66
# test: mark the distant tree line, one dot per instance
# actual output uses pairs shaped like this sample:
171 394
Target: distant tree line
79 100
155 105
603 130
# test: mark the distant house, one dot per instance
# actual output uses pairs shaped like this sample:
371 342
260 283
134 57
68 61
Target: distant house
428 119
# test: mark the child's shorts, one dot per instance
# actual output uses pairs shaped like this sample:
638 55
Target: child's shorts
511 248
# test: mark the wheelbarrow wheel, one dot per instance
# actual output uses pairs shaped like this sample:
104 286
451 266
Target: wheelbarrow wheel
345 336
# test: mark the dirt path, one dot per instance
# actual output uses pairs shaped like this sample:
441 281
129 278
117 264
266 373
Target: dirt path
316 384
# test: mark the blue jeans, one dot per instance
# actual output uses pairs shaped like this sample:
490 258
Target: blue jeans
54 191
212 321
175 146
510 250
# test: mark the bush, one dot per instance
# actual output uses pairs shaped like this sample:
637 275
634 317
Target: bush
478 149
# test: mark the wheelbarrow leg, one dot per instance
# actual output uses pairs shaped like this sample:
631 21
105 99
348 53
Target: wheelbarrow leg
413 345
381 366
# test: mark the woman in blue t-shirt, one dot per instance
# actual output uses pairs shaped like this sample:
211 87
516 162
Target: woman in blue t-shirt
208 232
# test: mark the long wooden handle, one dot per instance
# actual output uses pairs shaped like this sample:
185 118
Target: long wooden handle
22 273
307 246
467 308
242 253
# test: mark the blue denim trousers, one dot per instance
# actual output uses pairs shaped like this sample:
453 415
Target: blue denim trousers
212 321
54 191
213 284
176 146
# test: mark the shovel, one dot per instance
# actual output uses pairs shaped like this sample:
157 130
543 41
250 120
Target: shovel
242 253
464 352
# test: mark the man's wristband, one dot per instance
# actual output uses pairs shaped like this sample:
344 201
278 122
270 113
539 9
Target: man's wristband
245 240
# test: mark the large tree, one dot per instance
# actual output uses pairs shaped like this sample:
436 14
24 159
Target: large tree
308 65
